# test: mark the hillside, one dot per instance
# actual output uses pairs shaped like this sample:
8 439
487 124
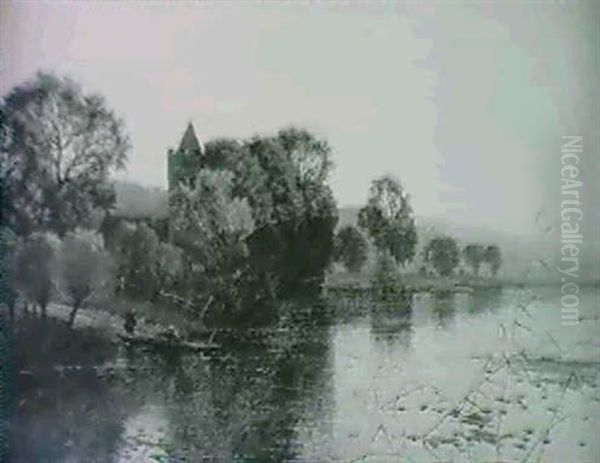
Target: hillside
135 200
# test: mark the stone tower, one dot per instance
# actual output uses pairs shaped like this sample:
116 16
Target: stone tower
183 163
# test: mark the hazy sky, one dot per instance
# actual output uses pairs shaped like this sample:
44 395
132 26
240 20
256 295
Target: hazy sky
465 103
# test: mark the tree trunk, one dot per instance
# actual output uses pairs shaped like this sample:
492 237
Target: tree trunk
73 314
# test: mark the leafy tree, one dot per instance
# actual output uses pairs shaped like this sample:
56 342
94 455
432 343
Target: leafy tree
351 248
258 220
85 268
388 220
474 255
36 268
442 253
309 154
291 250
59 149
249 179
493 257
211 226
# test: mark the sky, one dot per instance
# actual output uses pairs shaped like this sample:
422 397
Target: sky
465 102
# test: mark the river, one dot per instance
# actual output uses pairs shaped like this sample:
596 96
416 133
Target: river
480 377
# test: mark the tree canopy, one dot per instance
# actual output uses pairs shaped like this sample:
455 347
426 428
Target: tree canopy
351 248
59 147
493 257
387 218
443 254
474 255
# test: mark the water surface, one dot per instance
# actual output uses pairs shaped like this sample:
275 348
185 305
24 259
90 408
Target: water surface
486 376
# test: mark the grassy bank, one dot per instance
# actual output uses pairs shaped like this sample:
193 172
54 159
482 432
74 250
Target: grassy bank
412 282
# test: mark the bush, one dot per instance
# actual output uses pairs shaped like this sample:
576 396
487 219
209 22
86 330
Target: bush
85 269
36 268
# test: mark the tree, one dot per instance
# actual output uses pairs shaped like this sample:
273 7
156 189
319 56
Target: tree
85 268
249 180
137 259
290 251
474 255
493 257
309 154
388 220
36 268
257 221
351 248
442 253
211 226
59 148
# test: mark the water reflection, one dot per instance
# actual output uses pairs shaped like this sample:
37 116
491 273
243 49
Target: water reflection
375 385
391 323
443 308
248 401
65 407
484 299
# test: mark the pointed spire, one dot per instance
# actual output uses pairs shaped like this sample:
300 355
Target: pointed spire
189 142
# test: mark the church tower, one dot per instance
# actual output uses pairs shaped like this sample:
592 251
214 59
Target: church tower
183 163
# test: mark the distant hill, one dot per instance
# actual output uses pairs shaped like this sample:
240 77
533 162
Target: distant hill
135 200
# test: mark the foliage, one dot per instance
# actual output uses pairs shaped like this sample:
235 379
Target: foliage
211 226
388 220
474 255
8 247
309 155
36 268
443 254
292 249
169 265
493 257
207 219
85 268
136 250
351 248
249 179
59 149
257 222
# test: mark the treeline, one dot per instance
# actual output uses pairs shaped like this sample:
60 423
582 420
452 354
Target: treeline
254 222
250 221
387 224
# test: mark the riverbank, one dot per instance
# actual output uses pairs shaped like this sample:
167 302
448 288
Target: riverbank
155 326
353 282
